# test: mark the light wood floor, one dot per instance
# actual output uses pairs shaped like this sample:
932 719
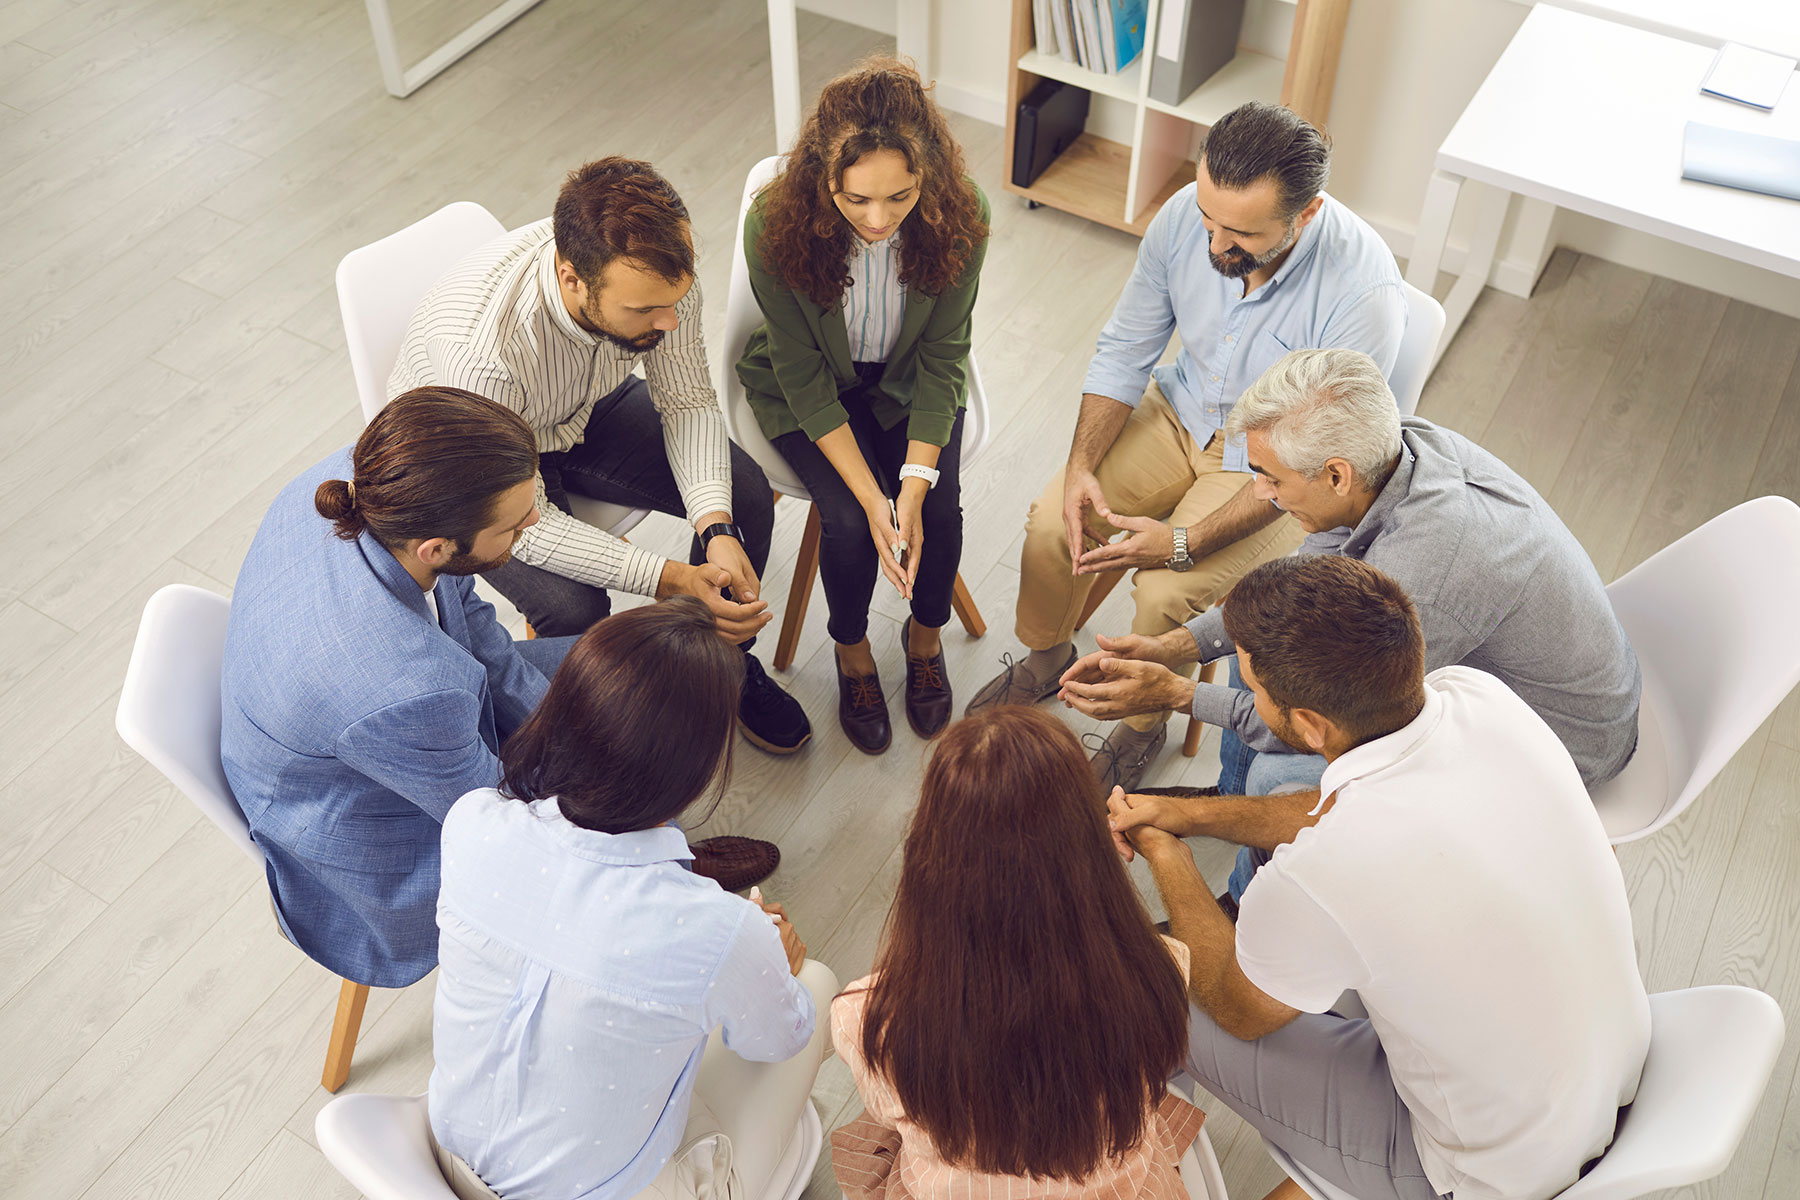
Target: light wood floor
178 179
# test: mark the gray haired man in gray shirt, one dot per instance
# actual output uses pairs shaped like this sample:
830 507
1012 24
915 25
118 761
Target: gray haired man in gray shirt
1498 580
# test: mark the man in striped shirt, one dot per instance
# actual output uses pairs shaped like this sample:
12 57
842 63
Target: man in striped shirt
550 320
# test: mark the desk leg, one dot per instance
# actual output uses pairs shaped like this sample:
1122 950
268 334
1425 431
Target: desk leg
1474 275
1433 231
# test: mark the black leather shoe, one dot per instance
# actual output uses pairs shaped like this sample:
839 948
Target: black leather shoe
771 719
862 711
928 701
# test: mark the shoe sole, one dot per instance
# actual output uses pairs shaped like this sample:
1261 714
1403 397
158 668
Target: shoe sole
769 747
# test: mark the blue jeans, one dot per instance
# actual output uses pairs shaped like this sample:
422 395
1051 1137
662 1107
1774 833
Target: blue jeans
1244 772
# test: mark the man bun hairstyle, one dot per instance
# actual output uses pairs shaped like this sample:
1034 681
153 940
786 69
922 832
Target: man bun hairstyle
1333 635
1257 141
431 464
622 208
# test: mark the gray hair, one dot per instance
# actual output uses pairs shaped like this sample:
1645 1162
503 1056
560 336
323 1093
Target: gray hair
1317 405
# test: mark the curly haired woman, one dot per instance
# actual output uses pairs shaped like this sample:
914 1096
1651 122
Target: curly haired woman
864 255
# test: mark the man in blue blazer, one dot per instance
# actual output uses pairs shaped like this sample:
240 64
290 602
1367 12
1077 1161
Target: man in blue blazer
366 687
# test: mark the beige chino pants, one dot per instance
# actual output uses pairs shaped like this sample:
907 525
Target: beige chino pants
1154 469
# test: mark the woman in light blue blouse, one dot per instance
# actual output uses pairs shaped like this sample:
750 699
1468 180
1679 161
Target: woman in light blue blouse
584 969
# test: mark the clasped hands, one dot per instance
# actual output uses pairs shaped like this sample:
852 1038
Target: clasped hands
1131 675
739 616
1147 825
908 529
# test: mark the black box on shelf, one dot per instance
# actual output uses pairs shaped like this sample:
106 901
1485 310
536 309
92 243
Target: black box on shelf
1049 121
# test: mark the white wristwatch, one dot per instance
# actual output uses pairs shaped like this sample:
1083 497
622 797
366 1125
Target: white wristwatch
918 471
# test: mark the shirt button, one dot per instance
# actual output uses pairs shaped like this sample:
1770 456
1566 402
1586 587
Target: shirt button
1231 337
1215 379
1217 643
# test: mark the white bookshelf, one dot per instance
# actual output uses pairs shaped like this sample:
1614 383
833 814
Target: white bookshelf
1122 182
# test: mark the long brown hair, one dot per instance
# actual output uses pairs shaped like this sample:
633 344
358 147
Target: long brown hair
881 105
1025 1010
431 464
637 723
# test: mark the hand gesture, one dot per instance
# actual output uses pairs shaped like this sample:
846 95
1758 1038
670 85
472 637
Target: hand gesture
1081 492
886 534
1140 821
736 622
1123 687
1132 646
727 553
1150 544
791 945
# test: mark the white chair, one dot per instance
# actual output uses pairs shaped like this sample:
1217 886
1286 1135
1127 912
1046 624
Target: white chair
1711 619
382 1145
169 713
1424 326
380 284
742 316
1711 1052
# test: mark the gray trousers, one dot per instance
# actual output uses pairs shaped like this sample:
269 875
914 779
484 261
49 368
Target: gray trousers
1319 1090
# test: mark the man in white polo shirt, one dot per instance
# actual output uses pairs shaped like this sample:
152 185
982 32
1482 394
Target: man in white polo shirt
1451 871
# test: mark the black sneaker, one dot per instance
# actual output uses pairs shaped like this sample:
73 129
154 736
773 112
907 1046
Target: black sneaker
771 719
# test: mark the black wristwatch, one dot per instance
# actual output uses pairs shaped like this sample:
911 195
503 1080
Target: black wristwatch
720 529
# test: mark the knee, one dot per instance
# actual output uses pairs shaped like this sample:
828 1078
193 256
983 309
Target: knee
1044 532
840 516
1162 601
750 490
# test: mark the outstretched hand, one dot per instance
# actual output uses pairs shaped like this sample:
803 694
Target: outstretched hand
1150 543
1110 687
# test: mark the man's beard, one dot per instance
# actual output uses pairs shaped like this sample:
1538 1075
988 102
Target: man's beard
465 563
642 344
1236 263
1284 729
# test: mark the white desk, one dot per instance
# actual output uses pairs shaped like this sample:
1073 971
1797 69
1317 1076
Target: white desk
1766 24
1587 114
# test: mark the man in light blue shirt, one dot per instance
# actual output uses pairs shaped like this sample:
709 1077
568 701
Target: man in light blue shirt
1247 263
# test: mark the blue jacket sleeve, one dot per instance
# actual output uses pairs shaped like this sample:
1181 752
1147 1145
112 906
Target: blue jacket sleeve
515 684
427 748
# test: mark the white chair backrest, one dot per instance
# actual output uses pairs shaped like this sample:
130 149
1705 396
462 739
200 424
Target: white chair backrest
742 316
1711 1052
1711 619
379 286
382 1146
1424 327
169 708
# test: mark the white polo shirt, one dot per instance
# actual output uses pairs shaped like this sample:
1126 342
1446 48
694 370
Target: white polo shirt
1463 886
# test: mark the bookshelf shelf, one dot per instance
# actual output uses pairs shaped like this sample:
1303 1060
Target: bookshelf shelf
1123 184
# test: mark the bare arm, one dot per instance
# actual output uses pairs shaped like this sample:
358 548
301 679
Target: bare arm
1233 521
1095 430
1261 822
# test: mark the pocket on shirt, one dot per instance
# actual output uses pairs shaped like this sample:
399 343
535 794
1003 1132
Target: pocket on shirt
372 845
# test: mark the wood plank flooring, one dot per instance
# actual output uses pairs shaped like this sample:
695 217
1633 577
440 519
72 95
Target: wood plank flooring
178 179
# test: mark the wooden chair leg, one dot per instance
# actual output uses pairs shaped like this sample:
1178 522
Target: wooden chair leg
1190 745
964 606
529 631
344 1028
1097 595
806 569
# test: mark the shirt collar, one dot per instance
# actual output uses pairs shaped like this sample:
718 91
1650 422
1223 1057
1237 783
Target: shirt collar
552 297
1384 752
640 848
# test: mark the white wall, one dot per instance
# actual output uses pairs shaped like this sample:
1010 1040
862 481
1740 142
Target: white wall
1408 68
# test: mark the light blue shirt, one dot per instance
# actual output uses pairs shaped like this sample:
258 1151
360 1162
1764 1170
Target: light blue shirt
875 301
1339 287
580 976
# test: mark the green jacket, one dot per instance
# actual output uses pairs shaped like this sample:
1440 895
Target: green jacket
798 360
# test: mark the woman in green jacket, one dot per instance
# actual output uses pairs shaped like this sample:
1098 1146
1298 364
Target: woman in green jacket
864 254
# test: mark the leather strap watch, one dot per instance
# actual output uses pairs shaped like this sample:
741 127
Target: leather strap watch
1179 561
721 529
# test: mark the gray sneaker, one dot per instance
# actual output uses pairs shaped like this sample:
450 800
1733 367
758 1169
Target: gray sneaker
1017 685
1121 758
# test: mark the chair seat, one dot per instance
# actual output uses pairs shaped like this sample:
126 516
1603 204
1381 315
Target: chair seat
1631 801
616 519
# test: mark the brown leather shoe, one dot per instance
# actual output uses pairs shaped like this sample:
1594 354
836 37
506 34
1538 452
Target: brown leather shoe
862 711
928 700
735 862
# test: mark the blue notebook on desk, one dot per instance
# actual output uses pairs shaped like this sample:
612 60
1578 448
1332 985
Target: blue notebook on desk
1756 162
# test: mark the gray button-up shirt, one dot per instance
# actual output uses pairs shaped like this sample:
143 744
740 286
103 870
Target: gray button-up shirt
1500 584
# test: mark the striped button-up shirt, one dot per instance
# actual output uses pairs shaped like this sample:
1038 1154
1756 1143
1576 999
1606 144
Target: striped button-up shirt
496 326
875 301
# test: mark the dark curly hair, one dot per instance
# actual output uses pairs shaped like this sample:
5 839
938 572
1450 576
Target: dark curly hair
881 105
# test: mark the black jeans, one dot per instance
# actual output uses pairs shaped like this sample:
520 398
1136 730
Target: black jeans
621 459
848 562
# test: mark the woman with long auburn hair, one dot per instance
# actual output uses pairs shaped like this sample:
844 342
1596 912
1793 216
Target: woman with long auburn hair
1023 1016
595 996
864 253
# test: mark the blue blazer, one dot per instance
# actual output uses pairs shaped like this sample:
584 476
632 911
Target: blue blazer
352 722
